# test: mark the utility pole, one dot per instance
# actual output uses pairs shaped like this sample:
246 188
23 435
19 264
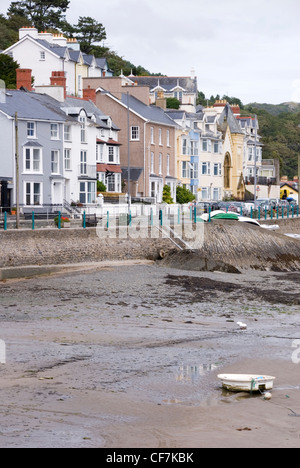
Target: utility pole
255 163
17 171
128 137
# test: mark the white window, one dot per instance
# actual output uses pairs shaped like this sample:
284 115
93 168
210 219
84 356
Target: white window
67 133
82 129
87 192
204 145
152 136
194 148
33 194
184 146
216 194
42 56
160 164
79 83
135 133
160 136
54 132
31 130
67 159
83 162
33 160
184 169
168 164
111 154
217 169
194 171
152 164
204 193
206 168
216 147
168 137
55 162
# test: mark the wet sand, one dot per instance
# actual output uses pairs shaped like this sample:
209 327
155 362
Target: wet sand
128 356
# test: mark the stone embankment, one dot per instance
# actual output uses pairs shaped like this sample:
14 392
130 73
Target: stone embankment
222 245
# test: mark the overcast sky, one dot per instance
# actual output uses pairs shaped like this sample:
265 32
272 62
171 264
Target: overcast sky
250 49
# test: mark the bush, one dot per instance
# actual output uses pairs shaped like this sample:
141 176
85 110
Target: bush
100 186
167 195
184 195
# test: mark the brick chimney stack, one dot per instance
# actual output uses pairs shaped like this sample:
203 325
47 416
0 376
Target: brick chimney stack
24 78
58 79
89 94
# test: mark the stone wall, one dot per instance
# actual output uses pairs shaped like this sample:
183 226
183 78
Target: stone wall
57 247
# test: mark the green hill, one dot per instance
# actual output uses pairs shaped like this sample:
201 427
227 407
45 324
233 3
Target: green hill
276 109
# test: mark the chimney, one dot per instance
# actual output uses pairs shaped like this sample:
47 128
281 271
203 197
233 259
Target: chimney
89 94
58 79
24 78
161 100
28 31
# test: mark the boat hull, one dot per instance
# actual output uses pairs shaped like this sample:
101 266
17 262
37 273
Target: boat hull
246 382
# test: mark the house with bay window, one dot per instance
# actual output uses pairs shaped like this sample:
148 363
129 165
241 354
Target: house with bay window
58 149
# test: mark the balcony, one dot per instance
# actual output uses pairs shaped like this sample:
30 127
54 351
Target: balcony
261 181
85 171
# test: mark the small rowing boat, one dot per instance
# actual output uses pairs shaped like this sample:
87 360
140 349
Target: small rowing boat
246 382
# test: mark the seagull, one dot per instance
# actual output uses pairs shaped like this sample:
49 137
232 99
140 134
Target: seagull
242 325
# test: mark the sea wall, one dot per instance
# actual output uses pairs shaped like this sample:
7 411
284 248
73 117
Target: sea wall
243 246
58 247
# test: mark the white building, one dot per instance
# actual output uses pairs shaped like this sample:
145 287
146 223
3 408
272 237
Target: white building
44 53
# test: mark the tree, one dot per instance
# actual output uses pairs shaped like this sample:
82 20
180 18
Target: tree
43 14
8 71
173 103
88 32
183 195
167 195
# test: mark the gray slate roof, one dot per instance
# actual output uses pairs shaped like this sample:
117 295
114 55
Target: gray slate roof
32 106
227 118
151 113
168 82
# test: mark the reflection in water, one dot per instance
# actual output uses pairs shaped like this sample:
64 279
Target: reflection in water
193 373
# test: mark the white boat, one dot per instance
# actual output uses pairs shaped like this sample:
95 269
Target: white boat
247 382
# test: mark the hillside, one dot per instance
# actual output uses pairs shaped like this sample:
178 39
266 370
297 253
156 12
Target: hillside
276 109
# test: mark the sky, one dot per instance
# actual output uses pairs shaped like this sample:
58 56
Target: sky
249 50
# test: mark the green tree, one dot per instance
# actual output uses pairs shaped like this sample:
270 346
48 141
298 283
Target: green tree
89 32
8 71
173 103
183 195
43 14
101 187
167 198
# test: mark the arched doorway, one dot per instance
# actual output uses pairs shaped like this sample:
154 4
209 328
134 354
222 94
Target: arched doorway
227 171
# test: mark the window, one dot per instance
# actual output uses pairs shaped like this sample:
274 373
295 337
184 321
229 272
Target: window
194 148
168 137
152 164
42 56
67 159
111 154
87 192
184 169
135 133
160 164
67 133
206 168
83 162
33 194
152 136
204 145
204 193
31 129
33 160
55 162
160 136
54 132
184 146
216 147
217 169
82 130
99 153
216 194
194 171
168 164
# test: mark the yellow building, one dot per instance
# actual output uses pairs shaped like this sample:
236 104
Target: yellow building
233 137
288 190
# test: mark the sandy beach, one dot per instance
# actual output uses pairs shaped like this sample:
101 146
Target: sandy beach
127 355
